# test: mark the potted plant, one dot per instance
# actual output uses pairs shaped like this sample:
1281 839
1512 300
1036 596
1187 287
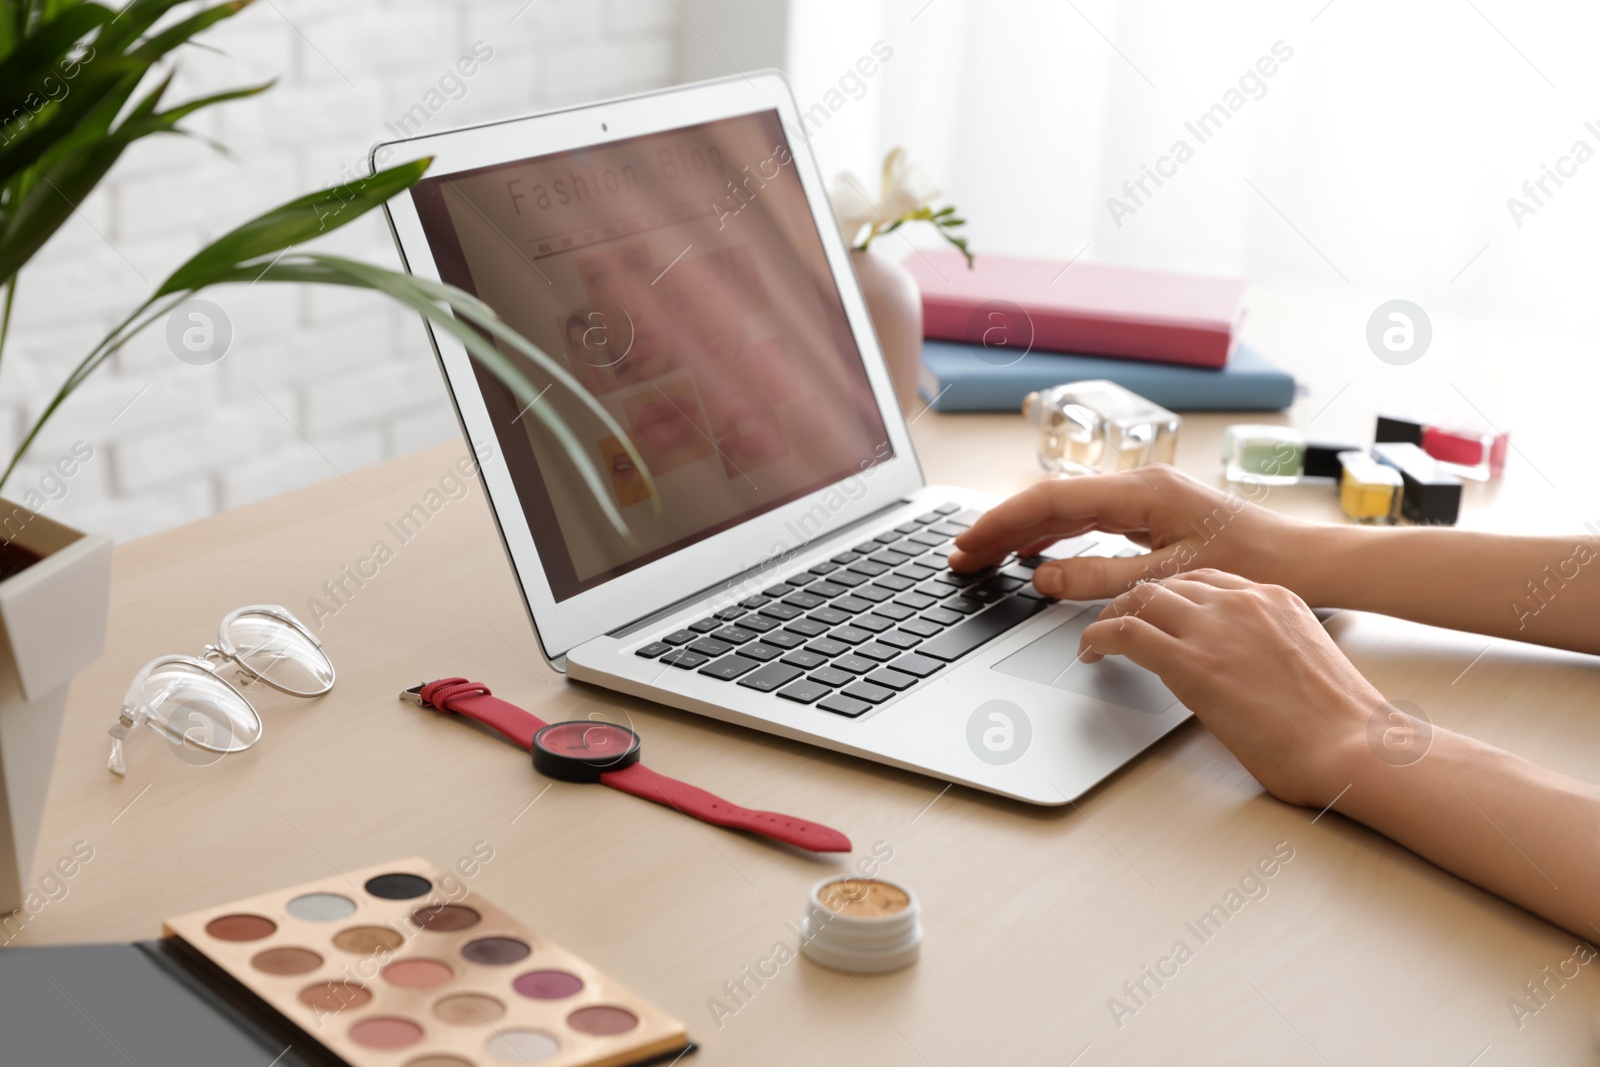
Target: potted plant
79 82
905 195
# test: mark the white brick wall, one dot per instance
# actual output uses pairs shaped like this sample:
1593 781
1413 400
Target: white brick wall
317 382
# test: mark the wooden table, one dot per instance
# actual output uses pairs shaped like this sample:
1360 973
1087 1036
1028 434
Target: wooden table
1359 952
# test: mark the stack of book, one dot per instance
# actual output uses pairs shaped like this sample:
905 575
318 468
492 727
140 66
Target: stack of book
1010 326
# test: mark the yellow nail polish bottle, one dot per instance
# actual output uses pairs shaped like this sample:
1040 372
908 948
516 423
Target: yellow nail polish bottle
1369 491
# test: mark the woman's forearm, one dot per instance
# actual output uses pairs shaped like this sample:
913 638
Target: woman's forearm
1518 830
1540 589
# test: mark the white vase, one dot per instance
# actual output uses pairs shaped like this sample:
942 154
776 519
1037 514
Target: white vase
895 304
52 625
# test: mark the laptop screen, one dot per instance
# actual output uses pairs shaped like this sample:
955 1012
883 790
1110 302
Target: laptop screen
681 279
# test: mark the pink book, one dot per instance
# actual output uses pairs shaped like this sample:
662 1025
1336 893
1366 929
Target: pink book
1087 309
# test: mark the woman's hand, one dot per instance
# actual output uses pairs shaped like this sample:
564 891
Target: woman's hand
1255 665
1184 523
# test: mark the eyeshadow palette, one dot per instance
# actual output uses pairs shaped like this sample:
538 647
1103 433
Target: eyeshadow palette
400 966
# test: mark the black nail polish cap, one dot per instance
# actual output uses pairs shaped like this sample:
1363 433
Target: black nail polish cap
1322 459
1431 496
1398 427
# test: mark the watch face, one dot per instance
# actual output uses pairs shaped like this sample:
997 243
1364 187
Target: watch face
584 748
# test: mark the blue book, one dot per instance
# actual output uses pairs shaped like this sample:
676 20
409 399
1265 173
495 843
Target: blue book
963 377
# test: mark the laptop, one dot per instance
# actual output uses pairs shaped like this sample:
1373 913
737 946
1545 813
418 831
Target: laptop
676 252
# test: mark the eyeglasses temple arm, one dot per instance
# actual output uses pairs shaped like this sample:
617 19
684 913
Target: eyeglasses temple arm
126 723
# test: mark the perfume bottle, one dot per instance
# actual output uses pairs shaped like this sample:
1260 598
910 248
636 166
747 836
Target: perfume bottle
1278 455
1369 491
1098 426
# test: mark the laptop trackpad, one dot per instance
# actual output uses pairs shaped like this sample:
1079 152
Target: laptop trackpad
1053 660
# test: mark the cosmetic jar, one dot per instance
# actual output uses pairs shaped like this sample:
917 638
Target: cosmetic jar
861 925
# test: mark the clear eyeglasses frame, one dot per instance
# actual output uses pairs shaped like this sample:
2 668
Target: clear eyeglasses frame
202 715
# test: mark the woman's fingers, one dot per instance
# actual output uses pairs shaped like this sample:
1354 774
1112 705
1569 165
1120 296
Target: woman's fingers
1098 577
1159 604
1030 542
1064 508
1037 547
1140 641
1218 579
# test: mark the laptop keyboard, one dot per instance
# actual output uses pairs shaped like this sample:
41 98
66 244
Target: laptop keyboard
852 631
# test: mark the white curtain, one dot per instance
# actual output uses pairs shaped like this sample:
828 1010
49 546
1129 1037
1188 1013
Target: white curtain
1367 147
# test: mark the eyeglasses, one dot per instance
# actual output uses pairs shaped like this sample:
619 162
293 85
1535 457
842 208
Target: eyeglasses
188 702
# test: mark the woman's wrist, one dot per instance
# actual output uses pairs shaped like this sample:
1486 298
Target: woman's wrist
1346 754
1308 559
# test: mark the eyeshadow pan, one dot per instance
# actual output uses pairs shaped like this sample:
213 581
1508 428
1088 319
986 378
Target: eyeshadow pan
496 951
398 886
438 1061
522 1046
241 927
335 996
386 1031
469 1009
321 907
418 974
602 1019
365 940
445 918
547 985
286 960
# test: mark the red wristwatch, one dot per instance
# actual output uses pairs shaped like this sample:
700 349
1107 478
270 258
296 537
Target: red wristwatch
585 751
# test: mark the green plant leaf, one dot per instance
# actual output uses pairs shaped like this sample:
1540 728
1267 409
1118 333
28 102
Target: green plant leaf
70 144
57 191
291 224
11 13
450 310
961 243
446 307
135 19
181 32
23 71
66 145
111 78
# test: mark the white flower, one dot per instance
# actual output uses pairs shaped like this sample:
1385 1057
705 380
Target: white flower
852 207
904 194
906 187
905 190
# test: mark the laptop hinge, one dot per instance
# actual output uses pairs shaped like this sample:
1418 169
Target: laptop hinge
748 577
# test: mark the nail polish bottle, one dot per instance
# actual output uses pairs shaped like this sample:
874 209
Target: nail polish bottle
1470 453
1430 494
1278 455
1098 426
1369 491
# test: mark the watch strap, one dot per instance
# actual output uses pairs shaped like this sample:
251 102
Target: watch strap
642 782
474 700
